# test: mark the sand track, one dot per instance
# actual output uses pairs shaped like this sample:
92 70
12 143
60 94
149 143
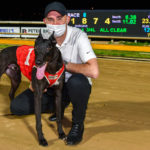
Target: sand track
118 115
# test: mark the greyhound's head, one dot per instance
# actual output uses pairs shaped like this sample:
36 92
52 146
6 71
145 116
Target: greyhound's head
44 49
44 52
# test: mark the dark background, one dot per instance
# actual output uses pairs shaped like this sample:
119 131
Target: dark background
30 10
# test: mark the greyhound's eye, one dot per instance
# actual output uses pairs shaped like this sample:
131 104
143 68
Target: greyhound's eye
48 49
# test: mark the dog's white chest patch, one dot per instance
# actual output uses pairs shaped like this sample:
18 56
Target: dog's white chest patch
56 83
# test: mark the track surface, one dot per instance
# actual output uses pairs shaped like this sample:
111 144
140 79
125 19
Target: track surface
118 114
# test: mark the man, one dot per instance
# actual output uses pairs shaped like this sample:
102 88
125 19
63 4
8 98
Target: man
81 65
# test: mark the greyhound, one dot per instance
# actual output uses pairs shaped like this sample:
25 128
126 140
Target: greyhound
46 69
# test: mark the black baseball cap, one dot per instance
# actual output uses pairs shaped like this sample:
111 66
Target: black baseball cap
56 6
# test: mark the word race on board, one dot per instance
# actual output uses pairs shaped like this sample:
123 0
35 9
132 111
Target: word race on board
127 23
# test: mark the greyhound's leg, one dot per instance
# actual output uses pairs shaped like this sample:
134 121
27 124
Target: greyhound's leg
37 105
14 73
58 97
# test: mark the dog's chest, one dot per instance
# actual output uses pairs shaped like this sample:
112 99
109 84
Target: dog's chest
53 79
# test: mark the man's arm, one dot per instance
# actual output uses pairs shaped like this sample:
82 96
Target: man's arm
90 68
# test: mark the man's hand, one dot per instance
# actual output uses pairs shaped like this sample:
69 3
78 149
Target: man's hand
30 87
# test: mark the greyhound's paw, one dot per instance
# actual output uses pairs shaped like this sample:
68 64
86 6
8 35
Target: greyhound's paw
62 136
43 142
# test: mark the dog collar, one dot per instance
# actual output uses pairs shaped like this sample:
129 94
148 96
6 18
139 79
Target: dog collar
52 79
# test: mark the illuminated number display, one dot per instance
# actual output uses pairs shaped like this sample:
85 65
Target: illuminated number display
127 23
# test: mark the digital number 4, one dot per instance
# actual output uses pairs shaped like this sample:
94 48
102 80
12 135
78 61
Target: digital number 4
107 21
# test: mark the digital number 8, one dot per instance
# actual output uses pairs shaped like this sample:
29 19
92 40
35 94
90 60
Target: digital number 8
84 20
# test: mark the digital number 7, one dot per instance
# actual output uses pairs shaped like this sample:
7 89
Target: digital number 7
95 20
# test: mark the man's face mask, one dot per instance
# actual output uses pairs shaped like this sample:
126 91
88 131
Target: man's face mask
59 30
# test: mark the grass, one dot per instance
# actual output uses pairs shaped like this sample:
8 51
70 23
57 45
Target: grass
116 53
4 46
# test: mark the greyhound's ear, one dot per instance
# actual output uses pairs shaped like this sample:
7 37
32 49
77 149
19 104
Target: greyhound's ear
52 36
52 39
40 37
40 34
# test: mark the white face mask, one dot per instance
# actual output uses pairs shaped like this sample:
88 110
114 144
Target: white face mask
59 30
